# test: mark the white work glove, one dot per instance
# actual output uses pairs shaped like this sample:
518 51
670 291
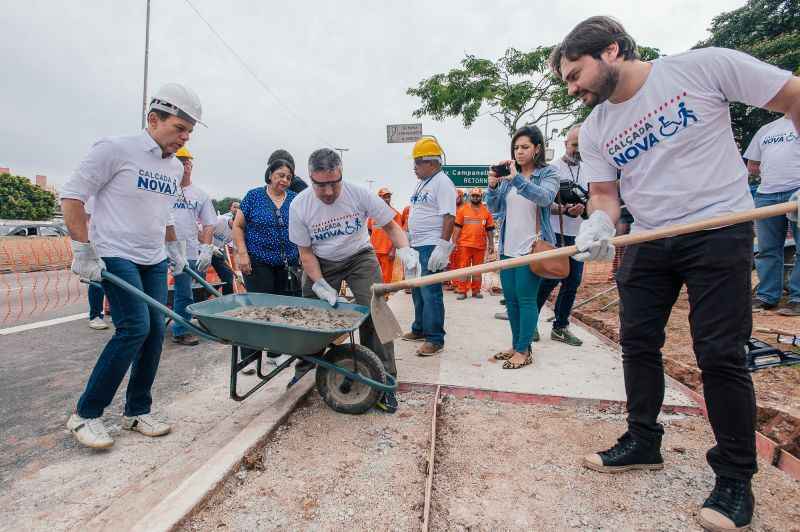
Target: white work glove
594 238
85 262
440 256
326 292
176 251
793 214
410 259
219 253
204 259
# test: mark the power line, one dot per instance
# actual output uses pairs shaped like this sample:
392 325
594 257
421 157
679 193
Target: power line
252 72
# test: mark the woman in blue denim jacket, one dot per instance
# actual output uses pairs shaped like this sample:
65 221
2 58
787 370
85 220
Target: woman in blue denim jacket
531 185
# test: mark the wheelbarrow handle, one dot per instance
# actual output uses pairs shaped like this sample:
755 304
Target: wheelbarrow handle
199 278
152 303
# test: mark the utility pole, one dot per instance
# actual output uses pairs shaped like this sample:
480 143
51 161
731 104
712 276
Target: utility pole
146 55
369 181
341 153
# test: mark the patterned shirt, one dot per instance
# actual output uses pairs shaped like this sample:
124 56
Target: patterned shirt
266 232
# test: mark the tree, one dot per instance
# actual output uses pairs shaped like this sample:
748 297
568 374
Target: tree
224 205
517 89
22 200
768 30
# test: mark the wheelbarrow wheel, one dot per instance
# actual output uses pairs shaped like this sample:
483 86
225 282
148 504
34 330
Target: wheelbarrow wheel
346 395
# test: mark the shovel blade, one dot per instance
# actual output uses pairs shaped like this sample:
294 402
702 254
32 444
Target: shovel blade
386 325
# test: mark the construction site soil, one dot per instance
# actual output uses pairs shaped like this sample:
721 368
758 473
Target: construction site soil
777 389
306 317
498 466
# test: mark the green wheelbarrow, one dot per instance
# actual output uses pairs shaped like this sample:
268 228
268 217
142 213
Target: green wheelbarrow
349 377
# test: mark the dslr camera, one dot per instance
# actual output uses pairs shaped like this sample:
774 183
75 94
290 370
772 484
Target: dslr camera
570 193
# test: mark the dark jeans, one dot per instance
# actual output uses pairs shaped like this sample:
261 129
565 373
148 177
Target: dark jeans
267 279
568 290
223 272
360 272
136 343
715 266
428 304
96 296
182 298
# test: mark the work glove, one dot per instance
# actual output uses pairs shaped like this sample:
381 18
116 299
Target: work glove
440 256
594 238
85 262
176 251
326 292
218 252
410 259
204 259
792 215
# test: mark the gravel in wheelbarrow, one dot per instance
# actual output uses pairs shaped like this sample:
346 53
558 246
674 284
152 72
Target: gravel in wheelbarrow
308 317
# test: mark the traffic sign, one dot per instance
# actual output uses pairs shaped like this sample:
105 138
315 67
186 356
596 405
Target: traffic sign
403 133
468 176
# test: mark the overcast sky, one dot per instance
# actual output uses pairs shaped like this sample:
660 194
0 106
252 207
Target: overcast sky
72 72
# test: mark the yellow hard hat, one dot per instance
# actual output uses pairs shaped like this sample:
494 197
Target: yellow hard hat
183 153
383 191
427 147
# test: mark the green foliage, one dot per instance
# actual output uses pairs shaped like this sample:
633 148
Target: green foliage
516 89
768 30
224 205
22 200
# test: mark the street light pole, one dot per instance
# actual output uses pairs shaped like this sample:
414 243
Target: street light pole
341 153
369 181
146 56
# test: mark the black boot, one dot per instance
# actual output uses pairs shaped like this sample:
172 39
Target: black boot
729 507
627 454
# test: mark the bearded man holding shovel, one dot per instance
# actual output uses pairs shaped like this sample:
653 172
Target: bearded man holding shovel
666 126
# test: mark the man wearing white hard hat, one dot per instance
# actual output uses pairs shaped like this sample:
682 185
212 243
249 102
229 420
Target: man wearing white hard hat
134 180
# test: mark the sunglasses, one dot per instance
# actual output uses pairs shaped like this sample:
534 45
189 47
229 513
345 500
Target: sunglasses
331 184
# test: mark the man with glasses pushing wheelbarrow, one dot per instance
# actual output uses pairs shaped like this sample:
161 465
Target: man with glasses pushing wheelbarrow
134 180
328 223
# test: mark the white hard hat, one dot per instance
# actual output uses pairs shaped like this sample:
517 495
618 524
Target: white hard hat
175 99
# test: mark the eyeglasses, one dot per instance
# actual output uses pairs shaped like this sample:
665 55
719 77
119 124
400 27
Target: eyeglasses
331 184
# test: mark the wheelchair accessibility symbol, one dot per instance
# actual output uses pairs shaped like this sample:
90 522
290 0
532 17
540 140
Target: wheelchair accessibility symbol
670 127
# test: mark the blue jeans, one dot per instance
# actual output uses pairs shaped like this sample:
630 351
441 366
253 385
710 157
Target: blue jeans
223 272
428 304
520 289
771 233
568 290
96 296
136 343
182 298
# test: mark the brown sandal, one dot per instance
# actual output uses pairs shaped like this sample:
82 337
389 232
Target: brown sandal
515 365
503 355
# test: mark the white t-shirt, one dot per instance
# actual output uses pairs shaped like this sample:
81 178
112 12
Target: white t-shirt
576 175
339 231
223 230
777 147
192 207
432 199
521 233
134 189
673 140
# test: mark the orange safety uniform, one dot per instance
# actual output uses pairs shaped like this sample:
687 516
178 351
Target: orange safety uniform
384 249
474 223
404 217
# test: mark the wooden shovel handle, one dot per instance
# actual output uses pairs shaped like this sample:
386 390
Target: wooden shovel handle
624 240
774 331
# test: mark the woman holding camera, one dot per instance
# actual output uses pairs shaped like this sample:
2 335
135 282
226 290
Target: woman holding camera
520 192
267 258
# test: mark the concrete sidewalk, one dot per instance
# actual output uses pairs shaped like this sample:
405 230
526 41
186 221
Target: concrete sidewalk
592 371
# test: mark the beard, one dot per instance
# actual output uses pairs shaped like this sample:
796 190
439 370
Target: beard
605 87
476 202
573 159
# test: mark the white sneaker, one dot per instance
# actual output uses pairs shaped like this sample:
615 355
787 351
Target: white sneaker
146 424
97 324
90 432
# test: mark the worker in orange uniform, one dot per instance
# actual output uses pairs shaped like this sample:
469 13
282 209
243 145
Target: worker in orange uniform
474 236
454 255
381 242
